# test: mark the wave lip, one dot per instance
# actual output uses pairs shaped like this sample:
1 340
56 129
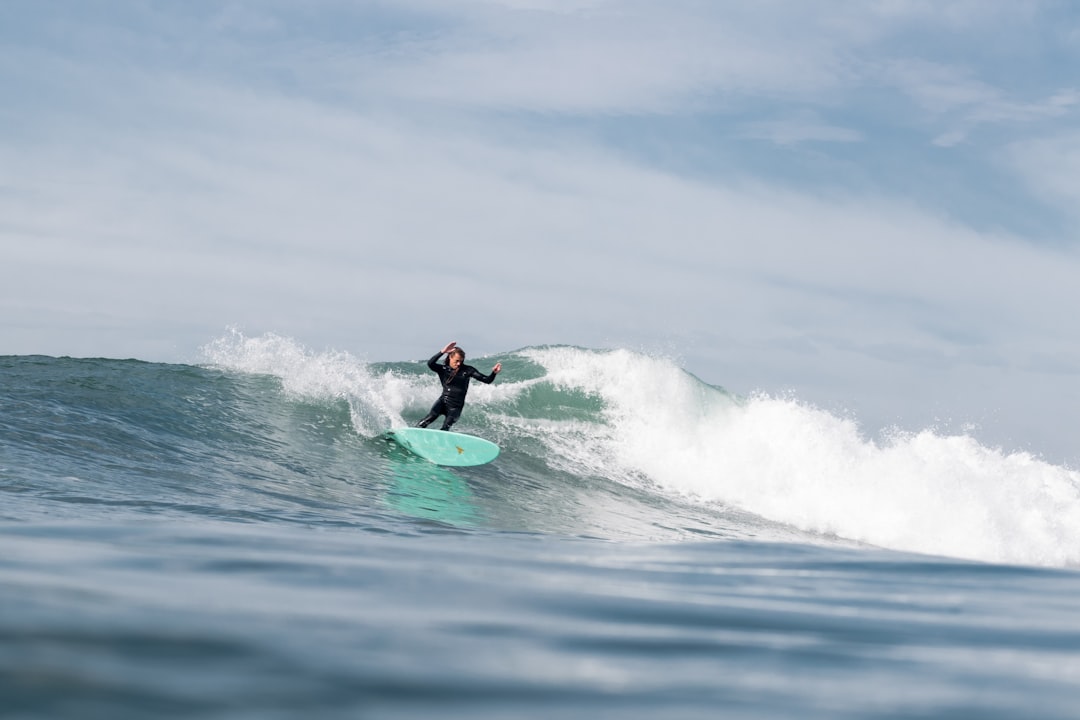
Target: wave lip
798 465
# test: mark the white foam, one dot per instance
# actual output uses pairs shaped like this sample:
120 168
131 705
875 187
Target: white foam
796 464
376 401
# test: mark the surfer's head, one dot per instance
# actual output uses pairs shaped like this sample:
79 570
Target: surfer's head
455 358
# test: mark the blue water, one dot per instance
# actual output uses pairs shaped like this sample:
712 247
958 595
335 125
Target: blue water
236 539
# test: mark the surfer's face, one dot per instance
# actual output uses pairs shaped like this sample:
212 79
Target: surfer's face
454 360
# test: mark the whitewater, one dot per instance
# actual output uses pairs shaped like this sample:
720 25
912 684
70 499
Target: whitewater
643 423
236 537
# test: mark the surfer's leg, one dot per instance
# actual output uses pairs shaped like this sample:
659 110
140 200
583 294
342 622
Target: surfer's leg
437 409
452 415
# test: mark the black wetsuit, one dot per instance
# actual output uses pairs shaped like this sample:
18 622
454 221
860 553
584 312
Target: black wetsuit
455 384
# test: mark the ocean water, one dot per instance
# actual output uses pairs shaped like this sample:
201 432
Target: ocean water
236 539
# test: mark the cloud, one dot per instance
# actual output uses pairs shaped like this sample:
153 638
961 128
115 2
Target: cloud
941 89
612 58
1051 167
803 127
241 18
954 97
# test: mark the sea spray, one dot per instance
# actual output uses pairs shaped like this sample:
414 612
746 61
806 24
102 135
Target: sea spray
376 401
796 464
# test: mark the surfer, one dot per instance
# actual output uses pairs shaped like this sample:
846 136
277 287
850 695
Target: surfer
454 375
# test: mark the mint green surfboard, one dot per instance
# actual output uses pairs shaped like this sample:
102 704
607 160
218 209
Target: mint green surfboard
443 447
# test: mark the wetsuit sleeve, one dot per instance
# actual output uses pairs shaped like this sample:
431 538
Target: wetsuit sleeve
433 363
477 375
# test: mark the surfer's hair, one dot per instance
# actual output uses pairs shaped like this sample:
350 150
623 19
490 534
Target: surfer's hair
456 351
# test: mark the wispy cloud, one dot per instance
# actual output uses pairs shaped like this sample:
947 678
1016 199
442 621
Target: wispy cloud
1051 165
804 126
954 98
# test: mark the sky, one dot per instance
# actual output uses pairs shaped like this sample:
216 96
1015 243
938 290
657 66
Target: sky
872 206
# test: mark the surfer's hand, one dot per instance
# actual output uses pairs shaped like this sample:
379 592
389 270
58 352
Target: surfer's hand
495 370
449 347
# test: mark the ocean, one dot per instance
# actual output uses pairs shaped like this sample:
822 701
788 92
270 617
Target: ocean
236 538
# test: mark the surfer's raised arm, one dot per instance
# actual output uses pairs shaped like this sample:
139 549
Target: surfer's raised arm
432 363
